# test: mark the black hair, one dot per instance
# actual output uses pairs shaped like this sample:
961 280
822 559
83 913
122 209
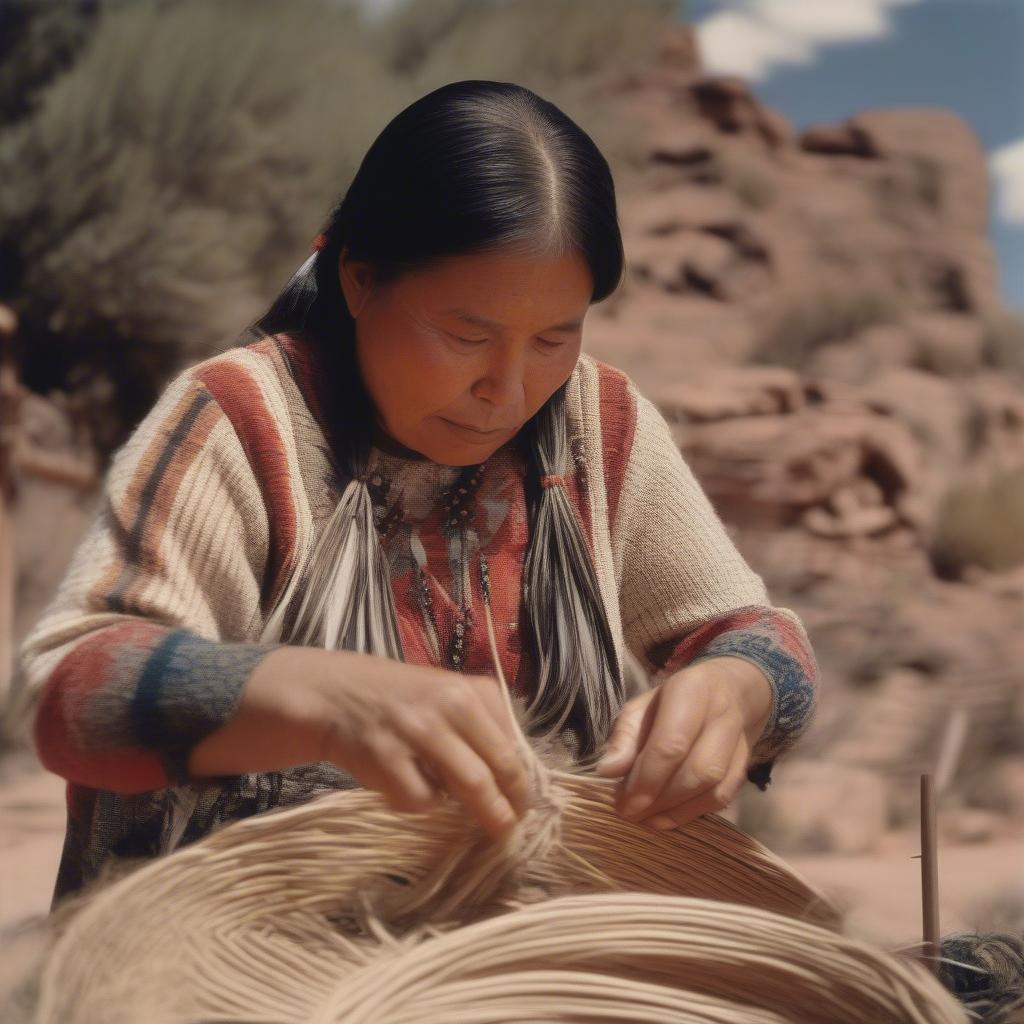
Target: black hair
476 167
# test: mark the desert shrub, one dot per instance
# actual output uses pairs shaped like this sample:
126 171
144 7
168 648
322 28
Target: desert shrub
534 40
1003 339
160 181
567 50
749 181
980 525
38 41
802 325
171 180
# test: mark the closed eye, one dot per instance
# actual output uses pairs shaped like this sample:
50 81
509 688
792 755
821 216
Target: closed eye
550 345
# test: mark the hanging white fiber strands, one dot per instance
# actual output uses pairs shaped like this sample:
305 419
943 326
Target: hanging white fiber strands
347 602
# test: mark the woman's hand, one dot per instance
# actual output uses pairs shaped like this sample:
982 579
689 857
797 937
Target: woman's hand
398 728
684 746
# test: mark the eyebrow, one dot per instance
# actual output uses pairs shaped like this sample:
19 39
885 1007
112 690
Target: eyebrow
483 321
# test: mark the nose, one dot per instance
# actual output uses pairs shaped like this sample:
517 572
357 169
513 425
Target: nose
502 385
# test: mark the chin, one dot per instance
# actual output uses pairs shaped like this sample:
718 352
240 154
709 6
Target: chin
469 455
462 451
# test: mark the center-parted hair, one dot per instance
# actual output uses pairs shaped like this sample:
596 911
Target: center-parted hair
472 167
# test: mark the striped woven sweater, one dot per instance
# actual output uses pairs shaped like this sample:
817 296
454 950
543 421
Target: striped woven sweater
217 499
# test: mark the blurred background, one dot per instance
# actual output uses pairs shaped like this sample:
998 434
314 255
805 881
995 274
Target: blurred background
822 204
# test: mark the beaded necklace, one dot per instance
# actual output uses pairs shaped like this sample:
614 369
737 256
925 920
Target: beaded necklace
459 502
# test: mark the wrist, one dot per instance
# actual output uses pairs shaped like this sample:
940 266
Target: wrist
754 690
273 726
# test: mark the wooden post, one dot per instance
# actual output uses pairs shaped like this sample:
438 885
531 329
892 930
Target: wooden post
9 396
929 876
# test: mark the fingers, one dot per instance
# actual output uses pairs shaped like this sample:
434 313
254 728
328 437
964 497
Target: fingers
679 720
488 690
463 744
469 778
394 772
494 738
454 729
710 800
703 767
629 733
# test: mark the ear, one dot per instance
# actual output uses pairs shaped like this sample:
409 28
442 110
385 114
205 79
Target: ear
356 280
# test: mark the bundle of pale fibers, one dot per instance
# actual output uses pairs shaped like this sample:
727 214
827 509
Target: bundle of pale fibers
639 957
342 909
294 900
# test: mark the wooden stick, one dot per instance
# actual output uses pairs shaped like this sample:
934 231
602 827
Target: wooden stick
951 750
7 579
61 469
9 394
929 875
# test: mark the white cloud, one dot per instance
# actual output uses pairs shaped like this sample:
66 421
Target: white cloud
734 42
753 38
1007 164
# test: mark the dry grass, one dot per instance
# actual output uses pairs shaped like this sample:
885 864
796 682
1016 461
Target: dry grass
749 180
980 525
1004 340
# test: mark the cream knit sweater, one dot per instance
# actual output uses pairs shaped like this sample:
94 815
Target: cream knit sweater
217 499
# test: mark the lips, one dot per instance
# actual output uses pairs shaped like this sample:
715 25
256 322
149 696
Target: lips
475 430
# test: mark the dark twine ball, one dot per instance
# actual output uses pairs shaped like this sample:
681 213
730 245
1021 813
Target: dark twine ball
986 975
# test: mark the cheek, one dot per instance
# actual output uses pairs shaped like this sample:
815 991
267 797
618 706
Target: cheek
409 377
551 375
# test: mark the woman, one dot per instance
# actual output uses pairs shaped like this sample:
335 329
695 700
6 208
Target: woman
289 586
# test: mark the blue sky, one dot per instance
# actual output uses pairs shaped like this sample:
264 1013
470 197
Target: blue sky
823 60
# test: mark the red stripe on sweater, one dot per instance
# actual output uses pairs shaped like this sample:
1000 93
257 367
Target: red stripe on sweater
677 653
64 707
579 502
239 396
794 644
618 426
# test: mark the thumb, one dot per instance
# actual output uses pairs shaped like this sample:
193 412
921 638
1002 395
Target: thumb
624 742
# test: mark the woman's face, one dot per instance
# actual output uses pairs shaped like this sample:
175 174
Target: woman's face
457 358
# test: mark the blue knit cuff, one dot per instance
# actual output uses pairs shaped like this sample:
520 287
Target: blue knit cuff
187 689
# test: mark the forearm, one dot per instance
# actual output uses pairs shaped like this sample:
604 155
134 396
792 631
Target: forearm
122 710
